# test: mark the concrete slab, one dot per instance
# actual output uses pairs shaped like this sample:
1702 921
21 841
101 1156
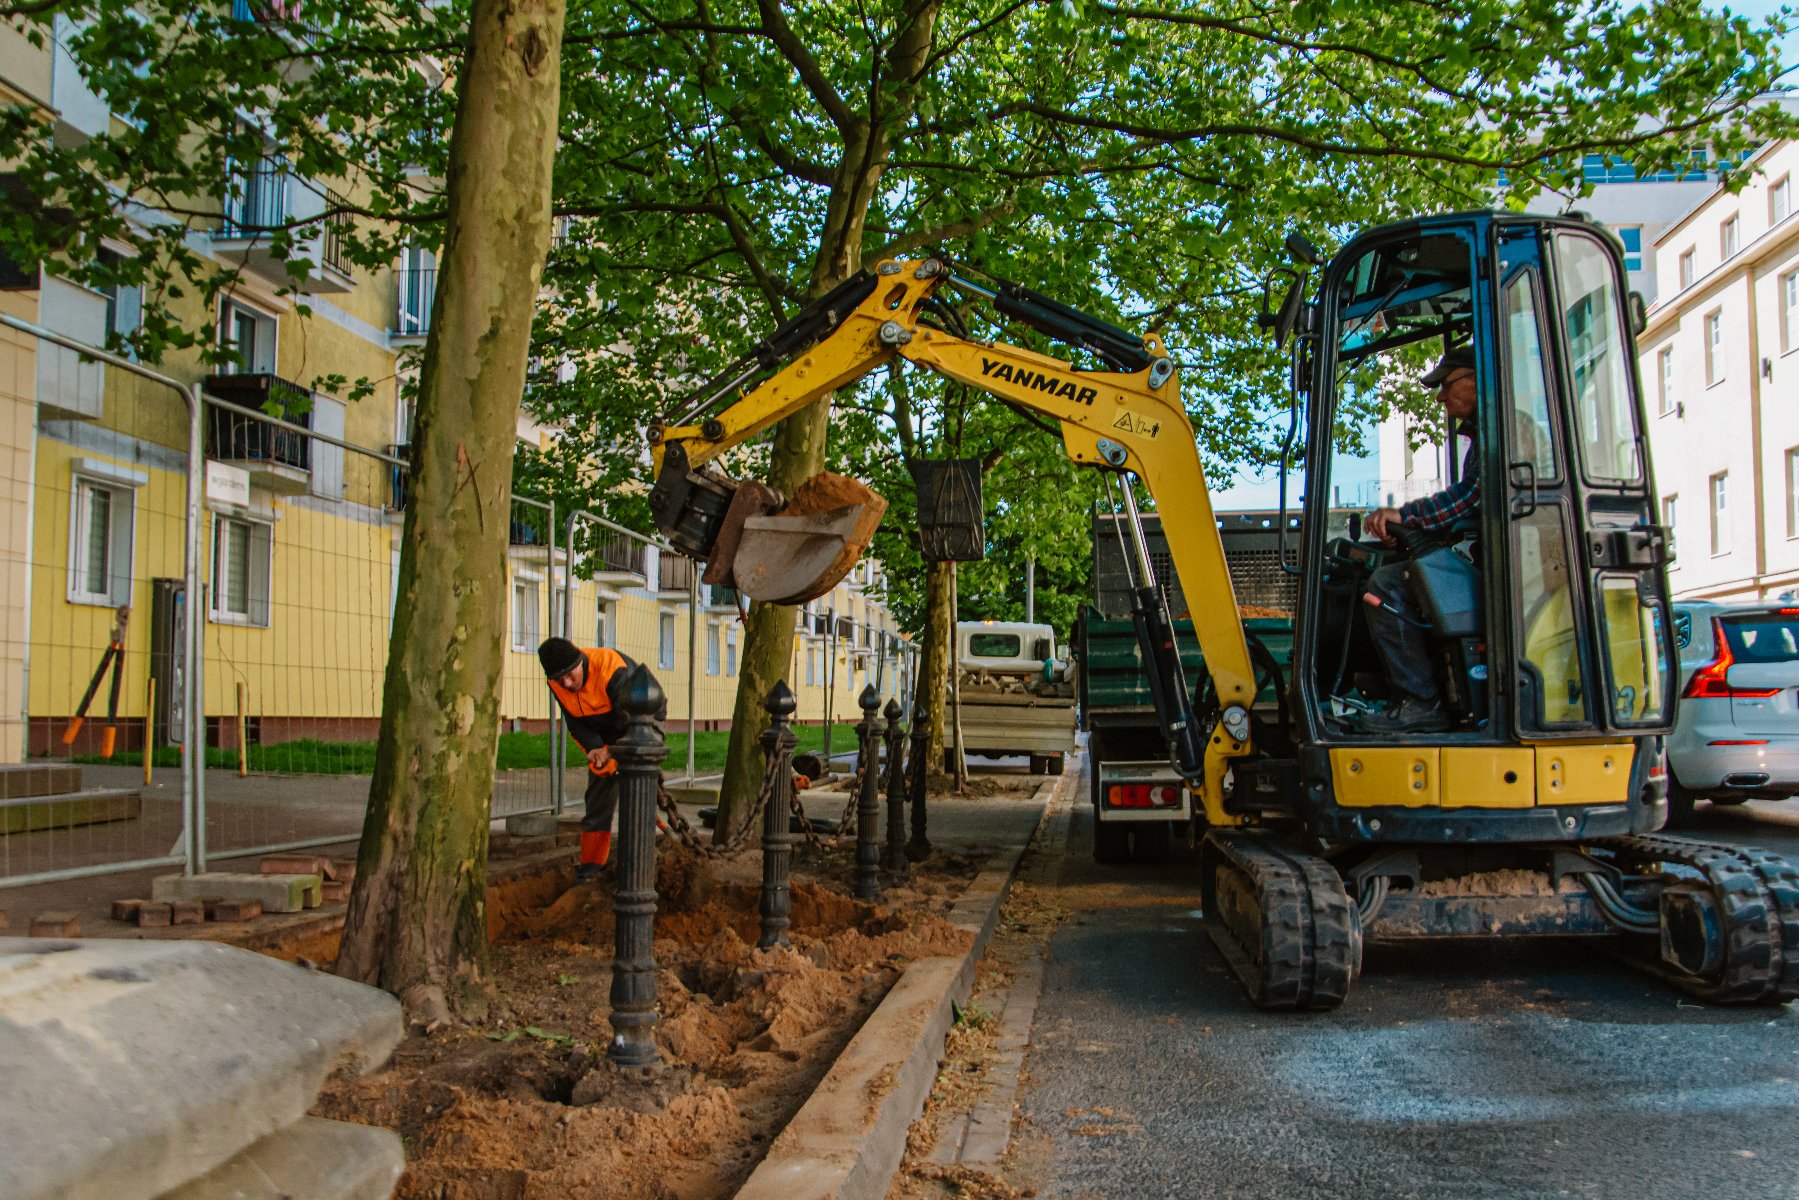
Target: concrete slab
278 893
142 1065
313 1160
532 825
64 810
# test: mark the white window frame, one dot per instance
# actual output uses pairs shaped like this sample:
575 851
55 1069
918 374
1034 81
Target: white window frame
262 366
1689 269
1730 239
558 599
261 548
1792 460
730 649
1718 493
1711 330
1671 523
1780 199
712 654
602 621
1664 379
1789 312
667 647
120 486
526 639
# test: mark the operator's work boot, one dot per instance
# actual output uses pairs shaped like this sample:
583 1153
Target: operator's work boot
1410 715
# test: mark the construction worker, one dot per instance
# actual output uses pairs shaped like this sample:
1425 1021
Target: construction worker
590 687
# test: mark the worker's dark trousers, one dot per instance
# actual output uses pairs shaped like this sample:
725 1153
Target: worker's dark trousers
602 802
1397 637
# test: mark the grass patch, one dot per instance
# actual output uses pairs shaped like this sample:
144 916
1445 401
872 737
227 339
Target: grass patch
518 752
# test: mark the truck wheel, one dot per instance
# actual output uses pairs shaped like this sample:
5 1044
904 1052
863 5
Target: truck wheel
1037 764
1111 841
1152 841
1052 765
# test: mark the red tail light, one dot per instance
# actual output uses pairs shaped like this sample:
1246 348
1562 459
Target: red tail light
1710 683
1143 795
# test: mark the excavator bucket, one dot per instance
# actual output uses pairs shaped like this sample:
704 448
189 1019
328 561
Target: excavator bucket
807 548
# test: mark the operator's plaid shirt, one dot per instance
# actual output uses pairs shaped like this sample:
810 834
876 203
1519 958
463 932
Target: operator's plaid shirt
1459 499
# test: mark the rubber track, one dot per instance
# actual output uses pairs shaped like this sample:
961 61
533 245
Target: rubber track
1310 948
1758 897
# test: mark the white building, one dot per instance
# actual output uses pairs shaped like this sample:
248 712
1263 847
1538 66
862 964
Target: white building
1720 372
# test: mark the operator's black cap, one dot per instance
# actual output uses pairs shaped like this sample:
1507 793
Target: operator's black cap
559 656
1459 359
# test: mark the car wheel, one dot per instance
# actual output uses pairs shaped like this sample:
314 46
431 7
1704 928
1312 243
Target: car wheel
1680 805
1052 765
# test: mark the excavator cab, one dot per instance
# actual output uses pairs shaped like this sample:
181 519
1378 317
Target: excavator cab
1544 608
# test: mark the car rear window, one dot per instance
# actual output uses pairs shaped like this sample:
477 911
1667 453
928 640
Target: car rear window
995 645
1763 637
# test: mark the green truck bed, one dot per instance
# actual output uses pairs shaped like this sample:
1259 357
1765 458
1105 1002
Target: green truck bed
1112 678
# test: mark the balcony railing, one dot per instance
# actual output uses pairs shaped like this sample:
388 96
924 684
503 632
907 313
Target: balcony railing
713 595
333 252
613 554
234 436
530 528
256 198
674 572
399 478
412 312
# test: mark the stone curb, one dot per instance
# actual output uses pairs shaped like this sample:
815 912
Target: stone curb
848 1139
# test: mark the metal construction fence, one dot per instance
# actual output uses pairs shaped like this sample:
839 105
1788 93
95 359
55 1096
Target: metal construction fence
209 592
225 580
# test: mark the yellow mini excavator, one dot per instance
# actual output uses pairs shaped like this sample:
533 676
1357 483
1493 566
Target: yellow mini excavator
1547 625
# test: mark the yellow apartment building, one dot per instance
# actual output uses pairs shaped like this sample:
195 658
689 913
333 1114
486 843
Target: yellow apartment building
300 535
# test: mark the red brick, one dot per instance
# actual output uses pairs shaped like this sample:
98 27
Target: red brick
333 890
154 915
293 864
126 910
341 869
187 912
5 921
56 925
233 910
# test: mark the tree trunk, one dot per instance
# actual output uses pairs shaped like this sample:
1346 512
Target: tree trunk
799 453
417 921
932 686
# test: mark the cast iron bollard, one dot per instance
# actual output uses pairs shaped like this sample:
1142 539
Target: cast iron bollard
920 846
868 800
777 843
640 753
896 793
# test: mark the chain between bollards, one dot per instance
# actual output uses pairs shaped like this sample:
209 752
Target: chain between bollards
640 753
868 799
778 742
895 857
919 846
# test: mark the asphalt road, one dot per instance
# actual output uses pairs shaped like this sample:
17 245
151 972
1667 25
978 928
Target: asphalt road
1540 1069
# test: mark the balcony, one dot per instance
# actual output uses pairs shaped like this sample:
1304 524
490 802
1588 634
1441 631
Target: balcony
279 460
266 197
714 596
674 573
417 288
614 558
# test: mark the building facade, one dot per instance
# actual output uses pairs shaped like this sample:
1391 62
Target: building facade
1720 373
301 529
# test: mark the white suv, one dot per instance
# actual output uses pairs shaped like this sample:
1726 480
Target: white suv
1736 736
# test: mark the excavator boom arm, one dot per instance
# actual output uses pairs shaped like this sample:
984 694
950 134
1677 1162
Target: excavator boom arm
1117 420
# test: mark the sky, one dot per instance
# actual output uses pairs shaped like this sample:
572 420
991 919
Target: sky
1352 476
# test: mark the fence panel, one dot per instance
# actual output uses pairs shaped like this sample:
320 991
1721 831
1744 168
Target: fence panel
523 780
96 555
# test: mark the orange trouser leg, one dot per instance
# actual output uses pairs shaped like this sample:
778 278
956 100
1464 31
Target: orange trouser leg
596 848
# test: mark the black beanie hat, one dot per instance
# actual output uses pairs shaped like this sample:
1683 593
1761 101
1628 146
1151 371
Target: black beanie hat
559 656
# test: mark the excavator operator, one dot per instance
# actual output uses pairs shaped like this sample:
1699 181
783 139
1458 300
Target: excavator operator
1395 620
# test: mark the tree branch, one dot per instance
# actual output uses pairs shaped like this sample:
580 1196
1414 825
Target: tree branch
776 29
